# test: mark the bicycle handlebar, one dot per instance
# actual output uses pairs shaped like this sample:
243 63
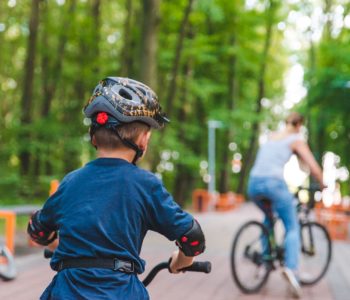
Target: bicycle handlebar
48 253
312 189
197 266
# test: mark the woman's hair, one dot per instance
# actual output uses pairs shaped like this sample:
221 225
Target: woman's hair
106 138
295 119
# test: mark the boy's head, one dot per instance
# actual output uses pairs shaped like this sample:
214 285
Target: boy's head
122 112
107 139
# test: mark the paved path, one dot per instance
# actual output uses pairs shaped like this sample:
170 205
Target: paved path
219 229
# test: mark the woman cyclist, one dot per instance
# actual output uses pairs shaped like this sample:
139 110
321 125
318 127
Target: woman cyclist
266 181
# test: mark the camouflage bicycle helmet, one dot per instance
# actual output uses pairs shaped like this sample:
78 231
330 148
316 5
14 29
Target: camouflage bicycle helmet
127 100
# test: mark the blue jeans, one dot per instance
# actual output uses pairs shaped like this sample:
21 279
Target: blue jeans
277 192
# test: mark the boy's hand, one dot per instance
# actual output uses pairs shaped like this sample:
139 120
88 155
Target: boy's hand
53 245
179 261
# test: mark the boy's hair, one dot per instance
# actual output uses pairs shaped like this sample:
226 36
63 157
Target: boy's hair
107 139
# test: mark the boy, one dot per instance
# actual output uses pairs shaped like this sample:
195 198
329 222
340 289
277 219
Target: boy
104 210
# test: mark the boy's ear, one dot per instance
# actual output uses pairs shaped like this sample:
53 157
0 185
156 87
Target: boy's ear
143 139
93 141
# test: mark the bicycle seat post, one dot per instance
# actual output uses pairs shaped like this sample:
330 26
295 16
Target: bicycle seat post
266 207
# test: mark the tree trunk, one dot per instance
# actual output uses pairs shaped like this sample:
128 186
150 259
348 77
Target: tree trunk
172 87
89 49
226 166
2 14
177 59
51 77
328 25
183 175
51 71
27 94
249 155
96 17
3 104
312 72
184 184
127 61
148 62
184 180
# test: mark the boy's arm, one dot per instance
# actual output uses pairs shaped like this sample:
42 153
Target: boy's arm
179 261
42 226
190 244
167 218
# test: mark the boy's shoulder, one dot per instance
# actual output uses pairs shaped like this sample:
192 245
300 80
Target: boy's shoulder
134 173
146 175
69 176
145 178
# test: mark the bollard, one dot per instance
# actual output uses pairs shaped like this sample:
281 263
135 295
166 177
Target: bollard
53 186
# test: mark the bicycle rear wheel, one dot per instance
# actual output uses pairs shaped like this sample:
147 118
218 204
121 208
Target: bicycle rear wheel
316 252
251 257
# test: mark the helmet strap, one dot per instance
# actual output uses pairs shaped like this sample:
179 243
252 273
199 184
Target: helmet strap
133 146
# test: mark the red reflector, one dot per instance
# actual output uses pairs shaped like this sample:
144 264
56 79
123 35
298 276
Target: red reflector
41 233
184 239
196 253
195 243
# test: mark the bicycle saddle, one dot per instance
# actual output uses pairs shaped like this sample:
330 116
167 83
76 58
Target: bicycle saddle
266 206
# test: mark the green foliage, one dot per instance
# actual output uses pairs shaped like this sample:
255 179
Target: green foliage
75 49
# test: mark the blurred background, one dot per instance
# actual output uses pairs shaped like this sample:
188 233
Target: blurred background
240 64
227 72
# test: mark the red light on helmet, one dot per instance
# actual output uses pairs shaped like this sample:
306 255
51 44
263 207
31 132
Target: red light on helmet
102 118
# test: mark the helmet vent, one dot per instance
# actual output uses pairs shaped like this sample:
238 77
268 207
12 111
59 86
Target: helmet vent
125 94
142 91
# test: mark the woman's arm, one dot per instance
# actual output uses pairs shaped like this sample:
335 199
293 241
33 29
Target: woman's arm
304 153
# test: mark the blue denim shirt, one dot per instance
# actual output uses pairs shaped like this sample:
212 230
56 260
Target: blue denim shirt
105 210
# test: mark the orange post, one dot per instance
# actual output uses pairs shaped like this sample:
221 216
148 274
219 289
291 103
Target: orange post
239 199
10 228
337 226
200 200
226 202
336 222
53 186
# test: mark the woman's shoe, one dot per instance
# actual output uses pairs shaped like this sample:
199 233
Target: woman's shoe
293 282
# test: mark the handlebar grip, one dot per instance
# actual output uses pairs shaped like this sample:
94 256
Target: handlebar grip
199 266
48 253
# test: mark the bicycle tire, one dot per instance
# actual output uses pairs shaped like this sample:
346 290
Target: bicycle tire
250 258
8 270
315 244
